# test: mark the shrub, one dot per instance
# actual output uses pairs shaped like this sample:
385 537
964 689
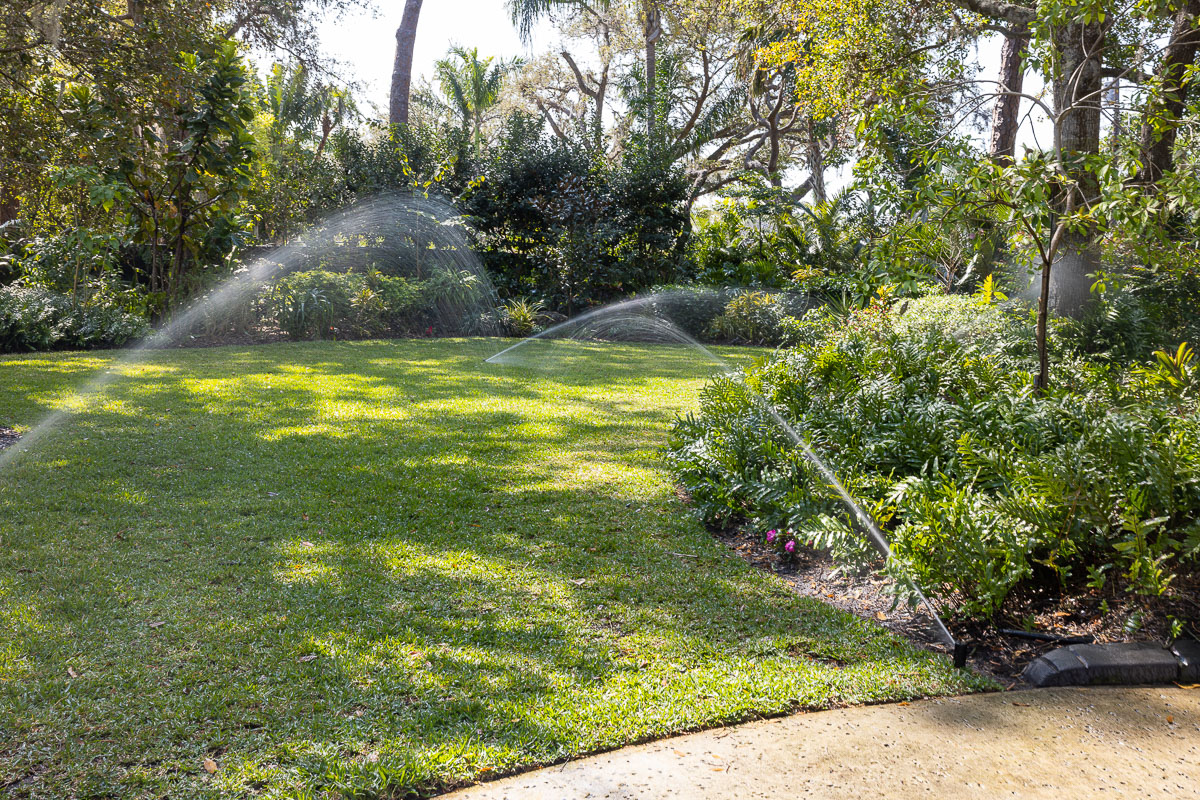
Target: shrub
748 318
523 317
690 308
761 237
29 317
731 250
844 291
929 419
325 305
1137 310
314 303
402 301
753 317
560 222
34 318
455 300
724 314
80 262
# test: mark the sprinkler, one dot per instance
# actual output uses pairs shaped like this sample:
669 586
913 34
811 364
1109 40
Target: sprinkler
961 651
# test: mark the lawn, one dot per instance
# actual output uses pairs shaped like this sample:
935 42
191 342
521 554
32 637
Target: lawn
370 569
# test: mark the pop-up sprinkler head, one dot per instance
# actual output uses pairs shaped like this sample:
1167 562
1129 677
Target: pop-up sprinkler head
961 651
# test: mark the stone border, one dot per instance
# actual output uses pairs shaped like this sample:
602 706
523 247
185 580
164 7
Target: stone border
1122 663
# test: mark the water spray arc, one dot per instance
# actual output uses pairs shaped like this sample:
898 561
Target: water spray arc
636 320
412 231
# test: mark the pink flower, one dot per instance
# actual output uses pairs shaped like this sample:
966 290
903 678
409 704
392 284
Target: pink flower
790 546
771 536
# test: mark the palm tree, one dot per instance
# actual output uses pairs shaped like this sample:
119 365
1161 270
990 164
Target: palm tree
406 39
472 86
299 105
652 29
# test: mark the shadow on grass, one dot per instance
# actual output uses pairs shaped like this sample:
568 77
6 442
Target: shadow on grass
379 567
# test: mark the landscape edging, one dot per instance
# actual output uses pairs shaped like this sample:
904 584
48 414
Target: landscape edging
1118 663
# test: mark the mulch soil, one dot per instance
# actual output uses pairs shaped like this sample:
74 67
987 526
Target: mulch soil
1110 615
7 437
259 334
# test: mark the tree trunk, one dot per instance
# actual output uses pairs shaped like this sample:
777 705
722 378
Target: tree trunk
653 30
1112 96
327 126
406 39
598 121
1077 105
1043 379
774 150
10 206
816 165
1158 146
1004 114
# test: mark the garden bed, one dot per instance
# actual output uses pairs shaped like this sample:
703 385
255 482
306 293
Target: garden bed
1113 615
1068 513
8 437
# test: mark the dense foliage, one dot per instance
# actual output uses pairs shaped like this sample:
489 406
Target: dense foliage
765 239
555 221
40 319
145 214
983 486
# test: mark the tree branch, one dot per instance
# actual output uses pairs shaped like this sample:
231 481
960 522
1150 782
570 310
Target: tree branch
579 79
998 9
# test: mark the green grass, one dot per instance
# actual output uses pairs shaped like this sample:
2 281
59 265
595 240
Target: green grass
374 568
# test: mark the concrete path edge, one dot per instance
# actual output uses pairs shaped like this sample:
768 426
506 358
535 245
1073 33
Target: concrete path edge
1117 742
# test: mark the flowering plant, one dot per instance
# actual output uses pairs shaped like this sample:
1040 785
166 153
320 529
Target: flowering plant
785 540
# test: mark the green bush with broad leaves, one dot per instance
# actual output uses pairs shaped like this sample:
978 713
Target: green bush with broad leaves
401 303
560 222
35 318
982 485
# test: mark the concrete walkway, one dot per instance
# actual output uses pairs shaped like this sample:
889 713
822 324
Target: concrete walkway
1054 743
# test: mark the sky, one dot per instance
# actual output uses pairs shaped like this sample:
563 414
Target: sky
366 42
